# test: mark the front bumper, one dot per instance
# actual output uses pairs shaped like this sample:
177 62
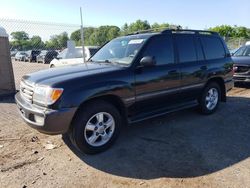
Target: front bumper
241 78
229 84
45 120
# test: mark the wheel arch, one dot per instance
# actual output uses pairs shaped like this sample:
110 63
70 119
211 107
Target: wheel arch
221 83
112 99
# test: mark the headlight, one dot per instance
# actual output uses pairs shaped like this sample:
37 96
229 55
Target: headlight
46 95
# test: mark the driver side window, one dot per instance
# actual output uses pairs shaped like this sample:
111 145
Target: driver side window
161 49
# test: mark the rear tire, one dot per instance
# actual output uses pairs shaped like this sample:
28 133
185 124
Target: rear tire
95 127
210 98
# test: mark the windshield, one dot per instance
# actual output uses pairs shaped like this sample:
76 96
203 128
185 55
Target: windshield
121 50
243 51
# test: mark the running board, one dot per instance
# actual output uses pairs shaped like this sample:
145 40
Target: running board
161 112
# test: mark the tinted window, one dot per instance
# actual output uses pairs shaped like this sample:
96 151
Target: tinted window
199 51
213 47
93 51
161 48
186 48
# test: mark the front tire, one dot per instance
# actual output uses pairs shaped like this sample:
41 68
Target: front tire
96 127
210 98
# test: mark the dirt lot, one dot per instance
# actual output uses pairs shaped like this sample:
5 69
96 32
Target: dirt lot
21 68
184 149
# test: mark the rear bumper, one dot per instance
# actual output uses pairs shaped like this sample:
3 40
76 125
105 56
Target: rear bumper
45 120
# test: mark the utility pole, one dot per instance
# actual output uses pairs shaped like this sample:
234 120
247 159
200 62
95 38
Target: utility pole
82 37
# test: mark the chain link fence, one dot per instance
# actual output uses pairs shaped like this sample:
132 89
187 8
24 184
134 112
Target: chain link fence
234 43
33 45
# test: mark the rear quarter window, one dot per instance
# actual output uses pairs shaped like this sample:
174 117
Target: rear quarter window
213 48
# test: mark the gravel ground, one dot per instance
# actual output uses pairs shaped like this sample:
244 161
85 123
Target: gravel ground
183 149
21 68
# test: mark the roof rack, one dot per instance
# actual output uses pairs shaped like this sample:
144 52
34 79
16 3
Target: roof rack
171 31
197 32
142 31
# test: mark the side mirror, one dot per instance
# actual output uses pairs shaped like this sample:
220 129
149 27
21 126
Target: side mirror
148 61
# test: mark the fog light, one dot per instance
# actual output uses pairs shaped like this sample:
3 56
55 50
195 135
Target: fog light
39 119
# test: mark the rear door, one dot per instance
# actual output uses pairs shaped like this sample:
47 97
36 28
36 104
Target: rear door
157 86
193 65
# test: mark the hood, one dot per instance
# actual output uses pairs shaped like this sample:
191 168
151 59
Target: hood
241 60
57 75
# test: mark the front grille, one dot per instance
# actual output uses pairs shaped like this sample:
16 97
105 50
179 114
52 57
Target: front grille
26 91
242 69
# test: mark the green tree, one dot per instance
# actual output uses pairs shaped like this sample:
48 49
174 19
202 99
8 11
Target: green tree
101 35
139 25
57 41
19 36
125 29
20 40
113 32
76 35
159 27
242 32
87 32
36 42
224 30
62 39
232 31
52 43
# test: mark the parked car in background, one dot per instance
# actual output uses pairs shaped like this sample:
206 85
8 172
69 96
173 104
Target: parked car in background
232 52
67 57
13 53
130 79
20 56
242 64
31 55
46 56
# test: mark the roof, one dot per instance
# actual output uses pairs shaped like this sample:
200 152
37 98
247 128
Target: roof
173 31
3 32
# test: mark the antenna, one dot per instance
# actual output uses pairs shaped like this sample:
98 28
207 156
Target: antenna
82 38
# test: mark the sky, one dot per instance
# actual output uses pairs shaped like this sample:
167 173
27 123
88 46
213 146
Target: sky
194 14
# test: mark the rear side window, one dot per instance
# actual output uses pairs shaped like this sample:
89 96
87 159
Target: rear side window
186 48
213 48
161 48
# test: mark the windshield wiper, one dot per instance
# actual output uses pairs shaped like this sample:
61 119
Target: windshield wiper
106 62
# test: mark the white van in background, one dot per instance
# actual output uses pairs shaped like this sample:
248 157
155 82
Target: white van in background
73 56
247 43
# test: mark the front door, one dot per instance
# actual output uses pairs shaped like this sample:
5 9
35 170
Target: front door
157 86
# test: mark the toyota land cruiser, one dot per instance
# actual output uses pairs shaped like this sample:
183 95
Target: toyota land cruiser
130 79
